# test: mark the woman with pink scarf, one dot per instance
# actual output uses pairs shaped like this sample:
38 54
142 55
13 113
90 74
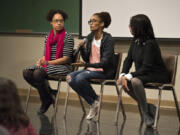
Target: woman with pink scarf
56 60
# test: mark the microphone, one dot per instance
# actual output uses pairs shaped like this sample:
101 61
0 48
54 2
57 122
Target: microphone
85 40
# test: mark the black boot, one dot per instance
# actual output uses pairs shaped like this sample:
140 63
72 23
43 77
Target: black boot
45 97
148 119
44 107
53 94
152 110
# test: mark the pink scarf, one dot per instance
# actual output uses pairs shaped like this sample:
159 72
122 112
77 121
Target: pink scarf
57 39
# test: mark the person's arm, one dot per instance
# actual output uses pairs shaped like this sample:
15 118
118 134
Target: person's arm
67 53
59 61
85 47
126 66
148 60
39 62
128 60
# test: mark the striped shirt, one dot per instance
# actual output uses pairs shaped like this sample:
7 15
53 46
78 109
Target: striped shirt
62 69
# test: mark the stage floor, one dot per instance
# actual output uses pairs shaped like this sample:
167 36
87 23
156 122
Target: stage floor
76 123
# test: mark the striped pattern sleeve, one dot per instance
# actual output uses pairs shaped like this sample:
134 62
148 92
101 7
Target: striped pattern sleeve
68 45
45 41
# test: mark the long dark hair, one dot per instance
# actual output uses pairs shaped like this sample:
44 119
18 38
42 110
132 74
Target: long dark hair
141 27
11 112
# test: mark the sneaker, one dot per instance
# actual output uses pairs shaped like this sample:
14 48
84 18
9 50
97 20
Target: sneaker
148 120
93 110
92 127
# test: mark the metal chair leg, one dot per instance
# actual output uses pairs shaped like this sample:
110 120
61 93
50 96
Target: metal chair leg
122 106
118 104
157 110
27 99
82 105
54 125
98 128
99 108
57 97
65 126
119 93
66 101
176 103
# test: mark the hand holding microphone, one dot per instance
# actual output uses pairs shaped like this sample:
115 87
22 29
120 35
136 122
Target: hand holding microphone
82 43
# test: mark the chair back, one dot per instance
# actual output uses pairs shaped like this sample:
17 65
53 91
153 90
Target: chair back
170 62
117 62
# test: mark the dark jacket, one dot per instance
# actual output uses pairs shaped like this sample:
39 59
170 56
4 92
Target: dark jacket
106 52
148 62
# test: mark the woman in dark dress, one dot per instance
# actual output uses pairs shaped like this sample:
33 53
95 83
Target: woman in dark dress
149 67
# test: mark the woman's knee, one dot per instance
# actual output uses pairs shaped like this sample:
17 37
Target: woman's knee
39 75
27 73
78 79
136 82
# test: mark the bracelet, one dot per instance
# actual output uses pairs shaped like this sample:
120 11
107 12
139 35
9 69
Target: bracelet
47 63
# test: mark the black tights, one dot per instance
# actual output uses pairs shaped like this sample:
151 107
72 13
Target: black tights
37 78
137 92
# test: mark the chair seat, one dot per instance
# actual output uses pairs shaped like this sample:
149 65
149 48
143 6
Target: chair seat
99 81
153 84
167 86
57 77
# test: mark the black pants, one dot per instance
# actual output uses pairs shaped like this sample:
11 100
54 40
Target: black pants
37 79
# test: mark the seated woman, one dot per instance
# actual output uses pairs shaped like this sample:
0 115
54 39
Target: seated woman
98 55
149 67
56 60
12 116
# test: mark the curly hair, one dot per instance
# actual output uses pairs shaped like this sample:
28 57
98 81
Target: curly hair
52 12
104 17
11 112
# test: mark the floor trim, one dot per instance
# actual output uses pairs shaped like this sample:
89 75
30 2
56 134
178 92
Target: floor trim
106 98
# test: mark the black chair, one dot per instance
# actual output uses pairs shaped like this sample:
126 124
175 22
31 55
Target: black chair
171 64
102 82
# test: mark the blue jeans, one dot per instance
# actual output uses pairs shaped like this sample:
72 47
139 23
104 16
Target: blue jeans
80 82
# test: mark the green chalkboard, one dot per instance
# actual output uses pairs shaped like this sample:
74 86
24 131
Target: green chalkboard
30 15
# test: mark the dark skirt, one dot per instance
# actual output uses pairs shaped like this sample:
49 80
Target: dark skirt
154 77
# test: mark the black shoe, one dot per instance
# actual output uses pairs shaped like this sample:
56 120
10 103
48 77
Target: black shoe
152 110
53 94
148 120
44 107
